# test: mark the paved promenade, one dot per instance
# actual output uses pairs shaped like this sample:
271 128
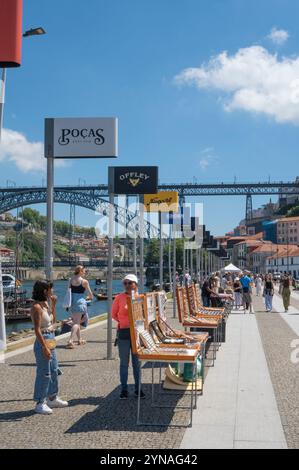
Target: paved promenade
250 399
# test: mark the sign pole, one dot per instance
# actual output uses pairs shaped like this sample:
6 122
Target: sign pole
161 252
110 275
2 315
141 254
174 275
50 213
2 98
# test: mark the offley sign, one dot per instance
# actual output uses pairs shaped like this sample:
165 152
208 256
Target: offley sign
133 179
81 137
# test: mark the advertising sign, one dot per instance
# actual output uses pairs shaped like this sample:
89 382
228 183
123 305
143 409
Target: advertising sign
81 137
164 201
10 33
133 179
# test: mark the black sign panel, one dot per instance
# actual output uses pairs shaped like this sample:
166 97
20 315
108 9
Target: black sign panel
133 179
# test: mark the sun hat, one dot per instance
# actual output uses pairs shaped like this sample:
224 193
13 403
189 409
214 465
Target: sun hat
131 277
237 279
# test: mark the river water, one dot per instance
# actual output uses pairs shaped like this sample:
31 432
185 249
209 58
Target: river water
96 307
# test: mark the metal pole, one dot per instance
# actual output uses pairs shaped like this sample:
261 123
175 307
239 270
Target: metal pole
2 316
174 276
110 275
135 253
169 261
141 225
50 214
2 98
191 264
161 253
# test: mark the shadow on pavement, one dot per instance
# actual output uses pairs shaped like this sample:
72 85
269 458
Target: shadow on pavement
16 415
113 414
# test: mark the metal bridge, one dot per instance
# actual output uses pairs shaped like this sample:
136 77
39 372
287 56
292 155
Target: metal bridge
93 197
87 197
184 189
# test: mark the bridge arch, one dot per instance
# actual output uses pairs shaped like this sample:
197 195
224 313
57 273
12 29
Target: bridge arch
89 199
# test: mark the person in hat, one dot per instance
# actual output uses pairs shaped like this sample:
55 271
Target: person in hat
121 316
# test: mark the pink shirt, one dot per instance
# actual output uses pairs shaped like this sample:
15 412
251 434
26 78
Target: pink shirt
120 311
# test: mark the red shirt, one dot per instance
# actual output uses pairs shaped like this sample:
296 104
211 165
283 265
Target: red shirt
120 311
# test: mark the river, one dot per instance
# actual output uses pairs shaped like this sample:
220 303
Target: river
96 307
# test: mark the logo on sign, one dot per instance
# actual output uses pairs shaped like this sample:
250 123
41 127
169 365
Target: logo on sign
85 136
134 179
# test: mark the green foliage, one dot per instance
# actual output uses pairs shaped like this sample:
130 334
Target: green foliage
293 212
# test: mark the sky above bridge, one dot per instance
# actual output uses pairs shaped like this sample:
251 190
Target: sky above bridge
208 90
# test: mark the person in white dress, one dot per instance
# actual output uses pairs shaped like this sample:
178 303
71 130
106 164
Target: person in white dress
258 285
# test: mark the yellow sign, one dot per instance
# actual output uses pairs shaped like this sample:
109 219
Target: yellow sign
165 201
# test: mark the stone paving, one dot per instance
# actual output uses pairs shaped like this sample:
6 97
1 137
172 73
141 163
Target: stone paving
96 418
276 337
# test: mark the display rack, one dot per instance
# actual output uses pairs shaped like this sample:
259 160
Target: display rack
147 350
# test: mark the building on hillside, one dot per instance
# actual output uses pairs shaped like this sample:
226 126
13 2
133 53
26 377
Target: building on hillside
242 249
291 198
258 256
286 260
269 228
7 255
288 230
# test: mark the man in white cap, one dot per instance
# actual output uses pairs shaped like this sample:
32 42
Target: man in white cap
121 316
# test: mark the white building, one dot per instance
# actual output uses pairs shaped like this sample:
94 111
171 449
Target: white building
288 260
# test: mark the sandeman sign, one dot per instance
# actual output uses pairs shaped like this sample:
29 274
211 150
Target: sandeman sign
164 201
133 179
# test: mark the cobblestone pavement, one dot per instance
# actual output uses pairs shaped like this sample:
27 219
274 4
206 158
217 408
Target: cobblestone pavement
276 337
96 418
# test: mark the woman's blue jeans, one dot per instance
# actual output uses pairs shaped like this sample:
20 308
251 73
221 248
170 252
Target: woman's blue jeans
268 301
124 349
46 382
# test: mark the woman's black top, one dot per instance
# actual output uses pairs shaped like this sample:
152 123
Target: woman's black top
237 287
204 290
269 287
78 289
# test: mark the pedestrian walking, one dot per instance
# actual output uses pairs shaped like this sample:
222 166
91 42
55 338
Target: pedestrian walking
246 283
206 291
258 285
123 340
286 291
78 286
43 314
268 292
237 293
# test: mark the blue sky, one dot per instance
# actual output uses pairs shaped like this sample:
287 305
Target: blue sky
128 58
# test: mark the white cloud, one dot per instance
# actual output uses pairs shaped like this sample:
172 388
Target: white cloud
278 36
207 158
253 80
27 156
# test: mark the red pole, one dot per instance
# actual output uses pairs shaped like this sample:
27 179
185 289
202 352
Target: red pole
10 33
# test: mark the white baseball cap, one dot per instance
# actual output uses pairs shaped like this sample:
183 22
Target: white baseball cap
131 277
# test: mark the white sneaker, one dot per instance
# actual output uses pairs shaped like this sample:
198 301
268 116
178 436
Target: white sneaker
43 409
57 403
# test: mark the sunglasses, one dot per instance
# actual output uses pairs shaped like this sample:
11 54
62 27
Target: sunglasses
128 283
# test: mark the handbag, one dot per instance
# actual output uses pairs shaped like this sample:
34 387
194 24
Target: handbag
67 301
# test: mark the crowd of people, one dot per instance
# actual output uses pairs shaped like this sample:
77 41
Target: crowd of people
242 285
215 289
